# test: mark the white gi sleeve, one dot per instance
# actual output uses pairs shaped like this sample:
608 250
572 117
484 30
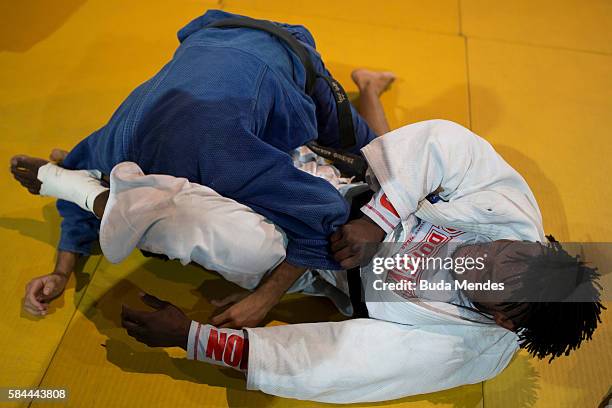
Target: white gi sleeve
381 211
366 360
420 158
484 194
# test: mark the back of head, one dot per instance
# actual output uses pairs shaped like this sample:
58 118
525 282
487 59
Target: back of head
561 307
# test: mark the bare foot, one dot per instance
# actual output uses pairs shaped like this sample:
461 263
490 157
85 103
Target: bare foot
58 155
25 170
373 81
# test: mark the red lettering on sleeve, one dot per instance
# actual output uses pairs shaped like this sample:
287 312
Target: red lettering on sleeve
216 345
233 351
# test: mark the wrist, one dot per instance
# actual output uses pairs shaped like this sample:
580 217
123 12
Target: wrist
183 338
65 263
269 295
63 274
278 282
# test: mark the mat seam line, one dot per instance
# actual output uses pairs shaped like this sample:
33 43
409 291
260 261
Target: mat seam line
460 23
482 384
223 6
532 45
469 87
467 64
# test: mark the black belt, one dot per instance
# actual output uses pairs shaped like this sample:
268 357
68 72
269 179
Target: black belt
353 275
349 164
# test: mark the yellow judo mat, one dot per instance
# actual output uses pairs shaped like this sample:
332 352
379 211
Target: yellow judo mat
532 77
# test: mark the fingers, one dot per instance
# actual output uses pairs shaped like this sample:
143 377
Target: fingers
127 324
134 329
338 245
31 299
227 319
233 316
134 316
152 301
221 318
340 238
351 262
32 310
50 287
130 321
233 298
336 236
346 252
15 160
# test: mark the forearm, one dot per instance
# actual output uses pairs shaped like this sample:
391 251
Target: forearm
65 263
276 284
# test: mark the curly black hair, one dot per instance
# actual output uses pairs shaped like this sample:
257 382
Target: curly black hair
561 320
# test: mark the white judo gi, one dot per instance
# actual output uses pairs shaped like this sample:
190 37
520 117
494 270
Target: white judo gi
409 345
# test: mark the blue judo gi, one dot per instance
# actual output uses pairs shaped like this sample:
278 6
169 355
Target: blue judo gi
225 112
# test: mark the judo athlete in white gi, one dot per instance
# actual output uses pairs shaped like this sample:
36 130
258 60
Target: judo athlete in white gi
409 344
406 347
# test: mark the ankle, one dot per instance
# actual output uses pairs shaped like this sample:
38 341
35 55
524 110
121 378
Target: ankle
99 204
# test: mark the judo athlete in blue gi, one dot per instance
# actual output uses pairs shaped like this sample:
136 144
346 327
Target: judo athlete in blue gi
225 113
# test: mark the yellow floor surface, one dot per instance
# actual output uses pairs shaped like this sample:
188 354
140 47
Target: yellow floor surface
534 78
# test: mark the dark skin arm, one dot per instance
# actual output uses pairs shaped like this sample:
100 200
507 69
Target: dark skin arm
168 326
40 291
251 309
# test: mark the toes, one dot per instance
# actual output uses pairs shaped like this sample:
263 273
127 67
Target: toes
22 174
15 160
25 170
58 155
27 163
388 77
358 75
28 182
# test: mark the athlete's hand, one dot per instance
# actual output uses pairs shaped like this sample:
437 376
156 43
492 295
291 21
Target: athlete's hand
166 326
355 243
247 310
42 290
